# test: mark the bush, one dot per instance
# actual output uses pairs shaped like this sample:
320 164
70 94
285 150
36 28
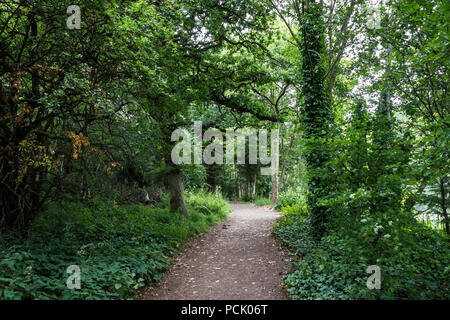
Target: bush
118 248
262 202
414 261
291 197
208 203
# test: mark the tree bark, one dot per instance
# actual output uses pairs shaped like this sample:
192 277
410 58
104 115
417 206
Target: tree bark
253 186
444 206
283 166
275 165
175 186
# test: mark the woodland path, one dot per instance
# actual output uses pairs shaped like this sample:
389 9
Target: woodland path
239 259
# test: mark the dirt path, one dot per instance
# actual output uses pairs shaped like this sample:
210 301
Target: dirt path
238 259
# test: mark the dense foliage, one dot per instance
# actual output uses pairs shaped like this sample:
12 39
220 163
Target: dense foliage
385 177
414 265
358 91
118 248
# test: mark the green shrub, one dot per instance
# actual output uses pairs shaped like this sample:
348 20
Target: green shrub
291 197
262 202
208 203
118 248
414 260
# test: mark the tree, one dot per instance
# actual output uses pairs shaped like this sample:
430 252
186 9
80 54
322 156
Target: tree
50 93
200 42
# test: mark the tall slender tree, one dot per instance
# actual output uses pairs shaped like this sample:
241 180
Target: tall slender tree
317 111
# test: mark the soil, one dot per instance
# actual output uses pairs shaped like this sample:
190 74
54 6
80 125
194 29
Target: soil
239 259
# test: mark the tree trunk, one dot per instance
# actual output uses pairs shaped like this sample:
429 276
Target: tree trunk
20 202
175 186
253 186
275 165
211 176
238 183
317 112
274 190
283 166
444 206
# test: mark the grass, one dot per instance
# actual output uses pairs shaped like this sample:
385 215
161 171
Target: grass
262 202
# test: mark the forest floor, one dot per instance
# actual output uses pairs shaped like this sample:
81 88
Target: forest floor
239 259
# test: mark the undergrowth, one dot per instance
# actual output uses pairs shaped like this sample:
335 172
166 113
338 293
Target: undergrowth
413 259
119 249
262 202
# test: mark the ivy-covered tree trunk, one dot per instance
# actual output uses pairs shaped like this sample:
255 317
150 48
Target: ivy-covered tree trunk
317 114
